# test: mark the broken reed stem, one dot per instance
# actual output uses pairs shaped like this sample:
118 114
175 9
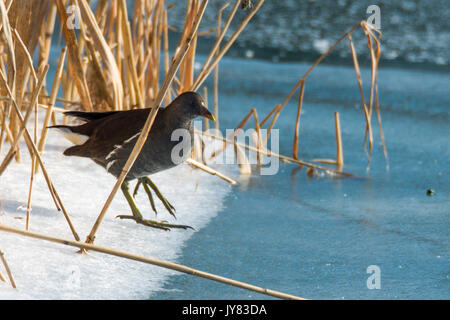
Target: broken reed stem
288 97
156 262
209 170
259 143
232 135
339 152
305 75
201 77
375 58
297 121
242 160
273 154
181 52
8 271
29 141
364 106
272 123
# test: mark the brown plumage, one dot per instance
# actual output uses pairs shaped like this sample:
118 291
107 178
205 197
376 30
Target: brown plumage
109 137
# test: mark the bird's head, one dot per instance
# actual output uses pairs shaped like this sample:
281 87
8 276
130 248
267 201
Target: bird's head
191 105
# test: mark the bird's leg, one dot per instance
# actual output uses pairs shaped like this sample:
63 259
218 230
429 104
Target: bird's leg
148 191
146 181
125 190
136 187
137 216
150 197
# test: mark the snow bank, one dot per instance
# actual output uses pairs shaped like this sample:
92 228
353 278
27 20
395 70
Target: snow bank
44 270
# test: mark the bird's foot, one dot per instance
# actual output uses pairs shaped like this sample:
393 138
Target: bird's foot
154 224
147 184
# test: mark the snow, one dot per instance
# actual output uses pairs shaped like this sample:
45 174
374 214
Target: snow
44 270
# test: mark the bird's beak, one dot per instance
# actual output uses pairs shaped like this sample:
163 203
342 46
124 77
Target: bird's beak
208 114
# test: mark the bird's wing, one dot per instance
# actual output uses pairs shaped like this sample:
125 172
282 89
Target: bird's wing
88 116
115 136
121 152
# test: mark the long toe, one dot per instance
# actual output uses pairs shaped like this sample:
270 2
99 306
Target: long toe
155 224
166 226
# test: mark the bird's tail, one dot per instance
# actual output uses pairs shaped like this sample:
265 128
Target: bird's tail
69 134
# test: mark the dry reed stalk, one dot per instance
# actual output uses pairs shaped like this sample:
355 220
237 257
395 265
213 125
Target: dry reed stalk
274 109
74 57
364 106
8 271
272 123
205 98
4 128
2 277
311 68
258 142
206 32
58 203
186 71
101 13
201 77
8 36
104 50
53 94
375 58
46 38
216 45
297 120
339 150
216 69
232 135
242 160
209 170
98 86
129 55
30 189
18 136
181 52
281 157
305 75
166 52
377 108
42 106
198 149
11 69
156 262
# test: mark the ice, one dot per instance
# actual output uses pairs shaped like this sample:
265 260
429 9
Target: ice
44 270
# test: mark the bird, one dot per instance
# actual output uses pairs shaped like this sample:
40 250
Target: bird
109 137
